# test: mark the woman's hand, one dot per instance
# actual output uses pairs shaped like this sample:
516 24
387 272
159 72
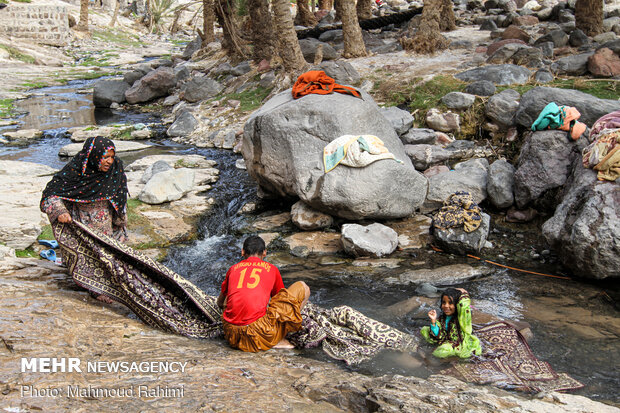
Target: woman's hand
64 218
462 290
433 316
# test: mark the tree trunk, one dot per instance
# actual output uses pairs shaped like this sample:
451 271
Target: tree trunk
83 23
115 14
364 9
351 31
589 16
208 19
232 42
447 21
263 37
325 4
288 45
304 16
427 39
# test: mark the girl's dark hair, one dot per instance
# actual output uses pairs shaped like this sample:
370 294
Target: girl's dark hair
253 245
453 294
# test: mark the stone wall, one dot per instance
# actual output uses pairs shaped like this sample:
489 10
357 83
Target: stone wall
44 23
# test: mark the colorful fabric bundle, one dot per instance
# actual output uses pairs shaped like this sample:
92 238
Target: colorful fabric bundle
602 154
560 117
459 210
356 151
316 81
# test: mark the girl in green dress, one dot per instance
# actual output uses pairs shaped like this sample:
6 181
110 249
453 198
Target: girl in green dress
452 331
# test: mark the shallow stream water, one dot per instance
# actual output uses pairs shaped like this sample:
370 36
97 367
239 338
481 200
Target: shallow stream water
576 325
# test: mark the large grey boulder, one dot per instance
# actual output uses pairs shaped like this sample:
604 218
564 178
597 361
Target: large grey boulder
375 240
283 145
585 229
500 183
156 83
506 74
456 240
458 100
424 156
106 92
154 169
590 107
183 125
502 107
575 65
307 218
544 165
200 88
341 71
168 186
400 119
415 136
192 47
310 46
470 176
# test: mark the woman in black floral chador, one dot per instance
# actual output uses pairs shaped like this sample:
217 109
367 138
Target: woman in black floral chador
91 189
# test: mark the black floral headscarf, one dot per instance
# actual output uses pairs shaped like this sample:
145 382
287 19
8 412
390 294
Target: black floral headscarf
81 180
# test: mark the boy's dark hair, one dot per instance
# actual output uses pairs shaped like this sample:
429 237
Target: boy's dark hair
453 294
253 245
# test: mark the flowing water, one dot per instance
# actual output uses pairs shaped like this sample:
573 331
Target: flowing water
575 324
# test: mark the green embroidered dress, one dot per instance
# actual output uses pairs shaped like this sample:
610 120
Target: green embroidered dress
455 336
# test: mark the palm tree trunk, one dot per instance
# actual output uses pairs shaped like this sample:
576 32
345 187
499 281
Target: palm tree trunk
83 23
263 36
304 17
232 42
448 21
208 19
364 9
288 45
589 16
351 31
115 14
428 38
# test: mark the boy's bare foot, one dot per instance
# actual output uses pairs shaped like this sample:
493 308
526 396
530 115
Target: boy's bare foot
105 299
284 344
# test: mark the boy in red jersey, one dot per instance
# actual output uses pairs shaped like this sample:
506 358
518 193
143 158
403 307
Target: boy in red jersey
258 310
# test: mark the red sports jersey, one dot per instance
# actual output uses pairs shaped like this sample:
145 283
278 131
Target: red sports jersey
248 286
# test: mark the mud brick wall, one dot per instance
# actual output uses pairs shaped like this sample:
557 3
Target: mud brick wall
45 23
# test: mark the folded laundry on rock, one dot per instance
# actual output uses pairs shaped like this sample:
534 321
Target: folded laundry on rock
560 117
356 151
459 210
603 154
317 82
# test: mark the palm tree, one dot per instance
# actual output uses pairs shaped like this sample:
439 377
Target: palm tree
351 31
232 42
364 9
83 23
427 38
448 21
288 45
115 14
263 37
208 19
304 16
589 16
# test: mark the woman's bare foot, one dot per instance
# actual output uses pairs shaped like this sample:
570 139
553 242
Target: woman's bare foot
284 344
105 299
